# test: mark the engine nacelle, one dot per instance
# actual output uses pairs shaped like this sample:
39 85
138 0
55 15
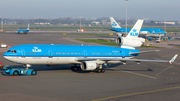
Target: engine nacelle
88 65
129 42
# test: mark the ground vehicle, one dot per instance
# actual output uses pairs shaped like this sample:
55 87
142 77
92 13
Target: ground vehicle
8 70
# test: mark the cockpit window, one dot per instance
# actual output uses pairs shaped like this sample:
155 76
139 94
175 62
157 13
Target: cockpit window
13 51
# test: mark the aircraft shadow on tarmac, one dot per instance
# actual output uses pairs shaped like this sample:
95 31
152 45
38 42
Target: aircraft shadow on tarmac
113 67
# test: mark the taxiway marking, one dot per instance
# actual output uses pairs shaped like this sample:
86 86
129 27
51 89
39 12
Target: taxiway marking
7 77
140 74
145 92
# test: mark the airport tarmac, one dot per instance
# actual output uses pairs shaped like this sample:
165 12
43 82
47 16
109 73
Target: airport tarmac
148 81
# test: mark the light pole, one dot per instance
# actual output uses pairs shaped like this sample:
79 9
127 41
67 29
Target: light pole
1 23
126 16
80 22
165 25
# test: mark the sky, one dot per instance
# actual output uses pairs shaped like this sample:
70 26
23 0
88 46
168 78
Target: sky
152 9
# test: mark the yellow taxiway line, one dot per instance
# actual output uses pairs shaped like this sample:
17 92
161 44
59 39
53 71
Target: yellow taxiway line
151 91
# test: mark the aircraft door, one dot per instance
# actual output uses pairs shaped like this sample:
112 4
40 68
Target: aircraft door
50 54
23 53
123 54
50 57
85 53
23 56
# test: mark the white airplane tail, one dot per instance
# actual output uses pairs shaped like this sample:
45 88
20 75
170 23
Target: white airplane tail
114 24
28 26
132 40
135 30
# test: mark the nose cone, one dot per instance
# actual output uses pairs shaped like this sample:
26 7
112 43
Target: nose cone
5 55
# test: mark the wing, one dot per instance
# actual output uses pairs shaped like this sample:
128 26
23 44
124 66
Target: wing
144 52
124 60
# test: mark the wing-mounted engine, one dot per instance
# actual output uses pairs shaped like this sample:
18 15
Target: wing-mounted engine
123 41
89 65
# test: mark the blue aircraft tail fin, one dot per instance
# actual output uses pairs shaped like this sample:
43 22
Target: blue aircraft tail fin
28 26
114 24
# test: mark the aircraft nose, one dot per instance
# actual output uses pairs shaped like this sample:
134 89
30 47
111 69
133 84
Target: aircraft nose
5 55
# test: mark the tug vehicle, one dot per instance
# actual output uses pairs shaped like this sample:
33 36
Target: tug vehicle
9 70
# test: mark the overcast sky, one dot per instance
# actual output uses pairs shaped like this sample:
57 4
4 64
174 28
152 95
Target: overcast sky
152 9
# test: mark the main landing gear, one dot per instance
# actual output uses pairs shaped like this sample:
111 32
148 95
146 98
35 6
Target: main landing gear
75 68
98 70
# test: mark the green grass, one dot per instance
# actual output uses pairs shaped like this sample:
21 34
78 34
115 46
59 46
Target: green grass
87 34
177 46
143 46
99 41
105 42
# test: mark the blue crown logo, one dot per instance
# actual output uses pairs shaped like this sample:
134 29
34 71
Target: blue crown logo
114 24
134 33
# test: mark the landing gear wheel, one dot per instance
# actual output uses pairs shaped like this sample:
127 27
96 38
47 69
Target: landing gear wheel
102 70
15 73
72 67
75 68
78 68
98 70
34 72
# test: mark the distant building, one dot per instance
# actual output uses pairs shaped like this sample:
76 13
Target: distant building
42 23
178 22
145 19
168 23
95 23
104 22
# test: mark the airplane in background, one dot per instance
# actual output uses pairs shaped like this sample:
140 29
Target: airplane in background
21 31
147 32
85 57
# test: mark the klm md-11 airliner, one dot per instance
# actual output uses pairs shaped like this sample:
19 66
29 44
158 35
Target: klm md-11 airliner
85 57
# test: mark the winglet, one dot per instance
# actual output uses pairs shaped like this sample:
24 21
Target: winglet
172 60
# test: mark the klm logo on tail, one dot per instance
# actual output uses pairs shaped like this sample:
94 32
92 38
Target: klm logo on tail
114 24
134 33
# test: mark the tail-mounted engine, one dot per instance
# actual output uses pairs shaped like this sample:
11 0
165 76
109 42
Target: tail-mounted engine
129 42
